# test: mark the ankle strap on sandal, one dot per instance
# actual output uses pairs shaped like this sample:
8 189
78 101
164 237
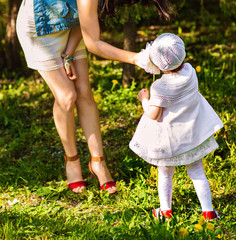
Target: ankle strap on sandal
98 159
74 158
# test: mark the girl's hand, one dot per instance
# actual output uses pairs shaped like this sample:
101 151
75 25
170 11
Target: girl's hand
143 94
70 69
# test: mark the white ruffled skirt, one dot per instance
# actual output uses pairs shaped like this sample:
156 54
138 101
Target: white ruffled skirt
147 142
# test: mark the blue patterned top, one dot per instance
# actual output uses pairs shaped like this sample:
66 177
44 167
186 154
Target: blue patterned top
55 15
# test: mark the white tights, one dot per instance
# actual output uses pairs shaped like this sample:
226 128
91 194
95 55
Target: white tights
200 182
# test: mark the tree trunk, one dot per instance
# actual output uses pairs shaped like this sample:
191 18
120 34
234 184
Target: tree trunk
12 53
129 45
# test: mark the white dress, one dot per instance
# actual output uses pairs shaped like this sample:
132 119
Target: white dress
185 133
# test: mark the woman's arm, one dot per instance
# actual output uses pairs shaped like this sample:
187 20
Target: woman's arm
73 41
74 38
91 33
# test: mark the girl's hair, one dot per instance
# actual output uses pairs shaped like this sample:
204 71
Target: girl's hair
178 68
164 7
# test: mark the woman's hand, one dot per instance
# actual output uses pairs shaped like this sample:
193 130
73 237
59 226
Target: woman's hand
143 94
70 68
74 39
142 59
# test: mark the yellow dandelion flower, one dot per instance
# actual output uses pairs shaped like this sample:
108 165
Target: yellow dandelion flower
210 226
116 174
198 68
228 217
97 97
183 232
220 236
115 82
198 226
201 220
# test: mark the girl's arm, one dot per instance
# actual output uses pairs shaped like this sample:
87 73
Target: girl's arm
89 24
154 112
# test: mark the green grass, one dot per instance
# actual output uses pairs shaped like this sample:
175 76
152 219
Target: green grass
34 200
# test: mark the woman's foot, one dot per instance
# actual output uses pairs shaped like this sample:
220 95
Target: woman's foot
74 174
99 168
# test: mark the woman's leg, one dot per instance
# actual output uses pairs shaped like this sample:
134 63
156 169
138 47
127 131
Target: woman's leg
65 95
89 120
165 175
201 184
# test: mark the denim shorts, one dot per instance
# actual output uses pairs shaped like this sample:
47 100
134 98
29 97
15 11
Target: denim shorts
42 52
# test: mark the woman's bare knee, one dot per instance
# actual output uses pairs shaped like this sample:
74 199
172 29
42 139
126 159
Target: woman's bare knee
84 93
66 101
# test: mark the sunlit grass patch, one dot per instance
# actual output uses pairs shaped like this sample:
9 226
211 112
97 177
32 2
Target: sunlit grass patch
34 200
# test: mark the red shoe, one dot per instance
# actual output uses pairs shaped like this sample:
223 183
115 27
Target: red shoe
80 184
107 185
210 215
76 185
158 213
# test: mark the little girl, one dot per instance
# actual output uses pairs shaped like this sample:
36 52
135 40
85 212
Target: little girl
178 123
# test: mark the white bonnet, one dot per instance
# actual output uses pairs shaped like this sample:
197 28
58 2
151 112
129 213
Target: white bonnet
166 52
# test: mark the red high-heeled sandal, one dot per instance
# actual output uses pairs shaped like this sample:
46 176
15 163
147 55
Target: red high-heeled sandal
77 184
106 185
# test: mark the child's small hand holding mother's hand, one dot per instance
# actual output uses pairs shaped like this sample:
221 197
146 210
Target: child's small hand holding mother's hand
143 94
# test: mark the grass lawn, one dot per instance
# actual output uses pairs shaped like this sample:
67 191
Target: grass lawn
34 200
